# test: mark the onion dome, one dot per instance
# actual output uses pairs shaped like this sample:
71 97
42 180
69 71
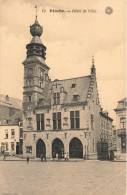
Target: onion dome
36 29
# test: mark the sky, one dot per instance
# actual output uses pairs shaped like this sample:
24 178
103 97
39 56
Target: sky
71 40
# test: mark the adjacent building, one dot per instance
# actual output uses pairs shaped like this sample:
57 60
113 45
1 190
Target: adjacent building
9 106
105 144
121 125
114 138
106 131
11 135
60 116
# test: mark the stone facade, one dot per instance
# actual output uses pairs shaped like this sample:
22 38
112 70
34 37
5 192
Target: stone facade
60 116
121 125
106 129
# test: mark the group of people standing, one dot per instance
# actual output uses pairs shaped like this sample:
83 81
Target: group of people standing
58 156
43 157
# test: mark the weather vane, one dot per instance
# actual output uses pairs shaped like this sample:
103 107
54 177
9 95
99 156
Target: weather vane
36 11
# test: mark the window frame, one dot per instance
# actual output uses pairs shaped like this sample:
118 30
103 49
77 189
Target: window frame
40 122
56 116
29 149
12 133
12 148
75 119
6 134
56 98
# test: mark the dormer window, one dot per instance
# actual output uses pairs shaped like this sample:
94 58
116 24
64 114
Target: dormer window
56 98
73 85
75 97
41 100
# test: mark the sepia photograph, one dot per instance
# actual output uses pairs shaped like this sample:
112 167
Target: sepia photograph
63 97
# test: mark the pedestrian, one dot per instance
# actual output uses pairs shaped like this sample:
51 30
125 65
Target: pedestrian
62 154
57 156
27 159
4 157
65 156
41 157
53 155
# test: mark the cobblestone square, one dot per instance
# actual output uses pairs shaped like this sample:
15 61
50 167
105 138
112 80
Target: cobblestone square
52 178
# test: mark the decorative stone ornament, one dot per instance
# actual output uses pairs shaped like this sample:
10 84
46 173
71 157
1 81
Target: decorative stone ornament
36 29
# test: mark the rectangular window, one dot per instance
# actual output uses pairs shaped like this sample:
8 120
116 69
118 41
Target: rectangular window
123 122
6 134
28 149
75 97
57 120
21 132
40 122
73 85
12 146
54 121
6 146
92 121
12 133
29 98
74 119
56 98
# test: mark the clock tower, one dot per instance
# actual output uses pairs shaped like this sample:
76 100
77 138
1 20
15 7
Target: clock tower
35 73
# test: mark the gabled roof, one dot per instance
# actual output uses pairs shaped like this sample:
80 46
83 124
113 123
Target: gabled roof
122 105
13 119
80 89
10 102
123 100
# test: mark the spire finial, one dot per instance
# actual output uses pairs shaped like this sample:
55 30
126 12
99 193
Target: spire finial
93 70
36 12
92 60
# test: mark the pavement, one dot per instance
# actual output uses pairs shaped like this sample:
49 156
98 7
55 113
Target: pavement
118 158
83 177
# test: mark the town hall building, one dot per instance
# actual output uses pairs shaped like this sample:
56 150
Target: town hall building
60 116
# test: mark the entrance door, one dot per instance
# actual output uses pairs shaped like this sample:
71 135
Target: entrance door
57 148
123 144
17 147
40 148
75 148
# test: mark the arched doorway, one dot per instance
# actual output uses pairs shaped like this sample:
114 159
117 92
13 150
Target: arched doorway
40 148
58 148
75 148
